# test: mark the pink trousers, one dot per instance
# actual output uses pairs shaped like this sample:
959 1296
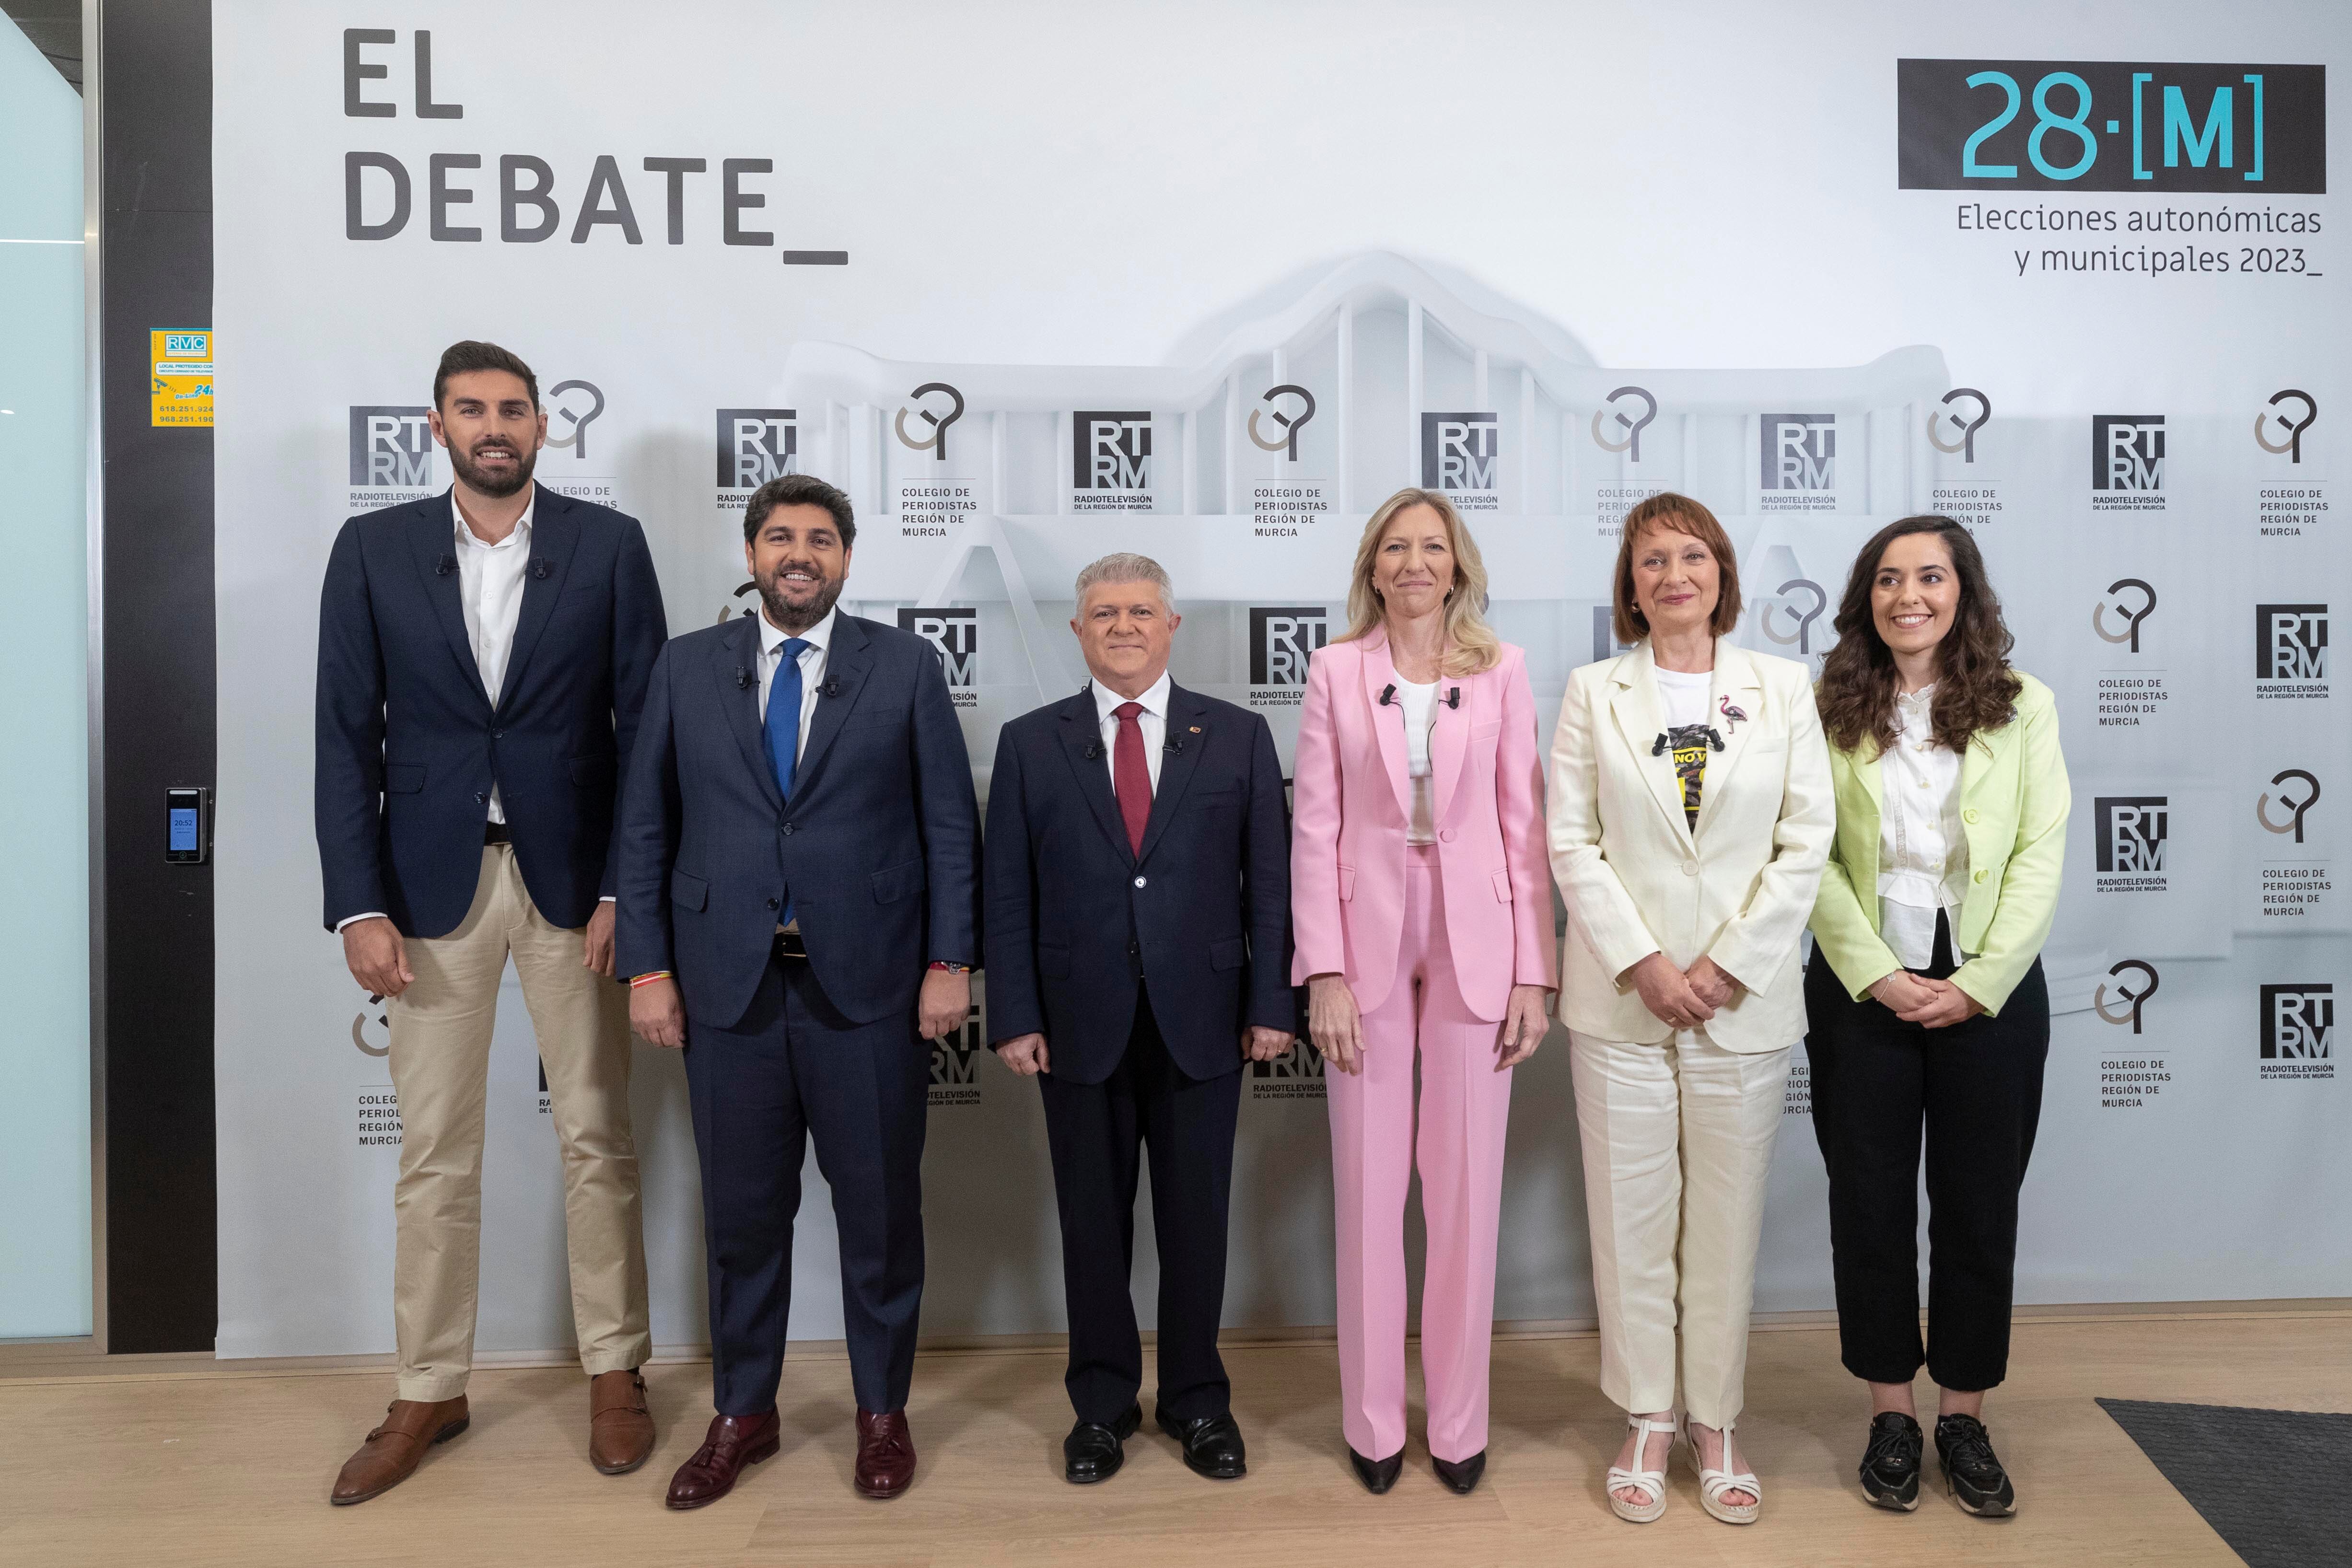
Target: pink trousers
1464 1114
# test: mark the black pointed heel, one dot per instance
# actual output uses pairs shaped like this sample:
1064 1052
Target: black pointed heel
1378 1475
1462 1475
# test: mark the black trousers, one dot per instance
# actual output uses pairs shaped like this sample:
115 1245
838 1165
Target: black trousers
1975 1090
793 1067
1096 1132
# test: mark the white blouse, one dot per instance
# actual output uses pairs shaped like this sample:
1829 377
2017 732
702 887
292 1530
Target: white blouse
1418 703
1923 853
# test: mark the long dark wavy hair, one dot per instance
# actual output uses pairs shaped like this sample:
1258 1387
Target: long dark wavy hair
1975 687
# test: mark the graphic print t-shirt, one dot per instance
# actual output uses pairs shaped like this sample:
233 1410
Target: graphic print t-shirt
1684 697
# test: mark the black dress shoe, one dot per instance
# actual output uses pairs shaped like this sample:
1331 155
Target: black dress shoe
1212 1445
1093 1452
1971 1471
1378 1475
1460 1474
1890 1463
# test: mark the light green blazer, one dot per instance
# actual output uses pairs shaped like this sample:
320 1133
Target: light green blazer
2013 804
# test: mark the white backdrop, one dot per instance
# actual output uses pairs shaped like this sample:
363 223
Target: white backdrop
1103 237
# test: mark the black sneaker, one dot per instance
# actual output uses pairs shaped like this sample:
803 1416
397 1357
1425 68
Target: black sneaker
1890 1464
1971 1471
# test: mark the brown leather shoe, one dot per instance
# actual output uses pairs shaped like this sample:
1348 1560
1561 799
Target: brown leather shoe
391 1451
885 1454
732 1442
620 1428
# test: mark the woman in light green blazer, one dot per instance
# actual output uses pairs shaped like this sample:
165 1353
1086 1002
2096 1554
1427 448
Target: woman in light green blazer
1927 1017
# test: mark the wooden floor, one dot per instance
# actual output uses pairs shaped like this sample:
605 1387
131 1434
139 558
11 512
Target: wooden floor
233 1469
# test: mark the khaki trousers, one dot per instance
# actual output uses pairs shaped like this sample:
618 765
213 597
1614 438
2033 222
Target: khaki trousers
440 1070
1677 1141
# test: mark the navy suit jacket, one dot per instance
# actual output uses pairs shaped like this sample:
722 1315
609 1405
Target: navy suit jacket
878 849
409 742
1076 917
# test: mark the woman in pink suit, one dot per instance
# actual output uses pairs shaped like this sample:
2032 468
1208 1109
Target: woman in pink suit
1420 905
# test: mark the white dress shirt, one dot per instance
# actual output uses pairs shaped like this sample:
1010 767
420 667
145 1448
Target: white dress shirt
489 589
1923 854
1152 721
819 639
1418 703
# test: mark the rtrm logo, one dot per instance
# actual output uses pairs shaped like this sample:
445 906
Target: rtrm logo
755 445
954 637
392 446
2271 417
1302 1061
2132 830
1604 635
2298 1022
2127 452
1111 450
1282 639
1458 451
2290 642
2137 1000
954 1058
2291 804
1800 452
2120 597
1974 410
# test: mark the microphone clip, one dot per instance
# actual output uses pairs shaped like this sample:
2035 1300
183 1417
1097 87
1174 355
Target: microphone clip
1454 697
444 566
541 568
742 679
1387 695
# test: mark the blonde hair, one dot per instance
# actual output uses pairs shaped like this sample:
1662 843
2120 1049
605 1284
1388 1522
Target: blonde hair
1470 645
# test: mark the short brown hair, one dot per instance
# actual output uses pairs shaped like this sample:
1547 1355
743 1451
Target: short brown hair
1679 515
460 359
799 490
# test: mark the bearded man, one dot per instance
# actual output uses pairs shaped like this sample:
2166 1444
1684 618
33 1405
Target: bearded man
800 911
483 655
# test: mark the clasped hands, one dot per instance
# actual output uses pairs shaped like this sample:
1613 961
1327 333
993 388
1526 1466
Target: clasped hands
1684 998
1931 1004
1027 1054
1336 1024
658 1014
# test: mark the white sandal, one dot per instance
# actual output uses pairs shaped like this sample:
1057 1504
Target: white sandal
1654 1482
1713 1484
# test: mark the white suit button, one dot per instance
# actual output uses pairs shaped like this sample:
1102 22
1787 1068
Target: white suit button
1690 868
1139 881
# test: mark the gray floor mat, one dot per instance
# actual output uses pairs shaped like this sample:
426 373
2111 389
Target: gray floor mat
2275 1484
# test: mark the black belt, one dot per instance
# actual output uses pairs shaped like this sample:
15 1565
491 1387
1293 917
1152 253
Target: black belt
789 945
495 833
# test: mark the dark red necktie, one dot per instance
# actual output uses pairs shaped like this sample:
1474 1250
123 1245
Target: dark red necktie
1130 779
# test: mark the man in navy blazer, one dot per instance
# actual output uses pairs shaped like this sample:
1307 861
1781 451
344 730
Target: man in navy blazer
800 910
1139 950
482 657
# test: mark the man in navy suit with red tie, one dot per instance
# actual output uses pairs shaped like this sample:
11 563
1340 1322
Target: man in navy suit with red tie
800 910
1139 950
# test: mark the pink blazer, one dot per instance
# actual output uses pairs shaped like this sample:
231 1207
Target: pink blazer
1354 803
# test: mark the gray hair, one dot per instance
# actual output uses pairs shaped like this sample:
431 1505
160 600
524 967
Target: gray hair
1125 566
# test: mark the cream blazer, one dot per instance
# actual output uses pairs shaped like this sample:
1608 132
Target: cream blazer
1638 879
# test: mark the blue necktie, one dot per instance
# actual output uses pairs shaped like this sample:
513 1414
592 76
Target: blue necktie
784 727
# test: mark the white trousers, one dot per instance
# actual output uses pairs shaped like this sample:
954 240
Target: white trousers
1677 1140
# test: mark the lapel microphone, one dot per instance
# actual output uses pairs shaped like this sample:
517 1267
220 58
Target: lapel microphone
1093 752
831 689
1172 746
540 568
1454 697
444 566
742 679
1387 695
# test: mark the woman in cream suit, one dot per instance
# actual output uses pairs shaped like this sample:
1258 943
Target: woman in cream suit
1690 815
1421 915
1930 1018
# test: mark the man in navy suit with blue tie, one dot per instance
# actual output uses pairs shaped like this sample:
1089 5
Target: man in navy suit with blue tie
1138 949
482 657
800 910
